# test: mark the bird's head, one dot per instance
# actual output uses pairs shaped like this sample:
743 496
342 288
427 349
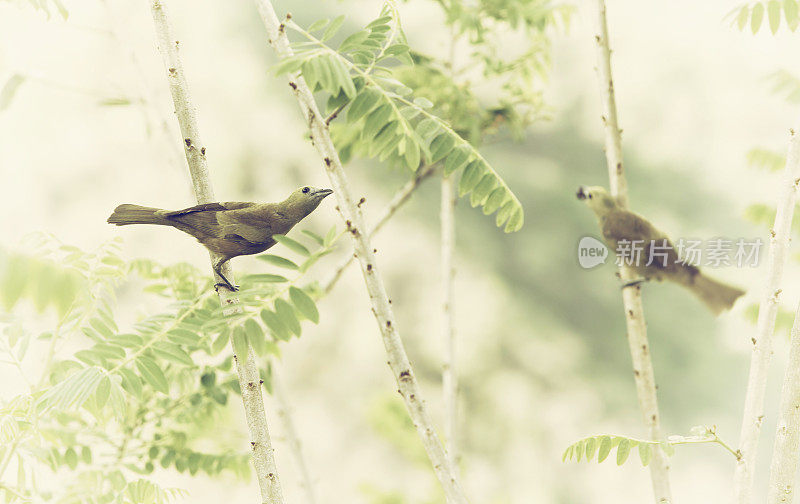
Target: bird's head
597 199
306 199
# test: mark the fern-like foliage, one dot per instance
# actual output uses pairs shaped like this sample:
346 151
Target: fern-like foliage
384 119
600 447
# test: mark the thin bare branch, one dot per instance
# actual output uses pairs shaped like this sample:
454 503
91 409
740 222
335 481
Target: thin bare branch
753 415
381 307
631 295
249 379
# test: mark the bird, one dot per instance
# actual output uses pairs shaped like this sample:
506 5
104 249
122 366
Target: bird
229 229
620 225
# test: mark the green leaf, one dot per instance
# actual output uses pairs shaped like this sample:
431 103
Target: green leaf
505 212
330 236
342 77
287 317
279 261
220 342
591 447
376 120
172 352
604 449
578 451
267 278
314 236
483 188
152 374
255 335
290 65
383 20
495 200
441 146
240 349
318 25
304 304
100 327
744 15
183 337
74 390
274 324
292 245
515 221
668 448
471 176
332 28
428 127
131 382
756 17
412 154
790 11
353 41
645 453
623 449
774 15
10 90
71 458
423 102
457 159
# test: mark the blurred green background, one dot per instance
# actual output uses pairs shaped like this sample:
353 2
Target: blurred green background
543 359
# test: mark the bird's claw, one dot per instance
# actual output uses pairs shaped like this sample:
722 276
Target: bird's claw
232 288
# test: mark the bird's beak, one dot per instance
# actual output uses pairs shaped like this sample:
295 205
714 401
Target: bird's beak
581 194
322 193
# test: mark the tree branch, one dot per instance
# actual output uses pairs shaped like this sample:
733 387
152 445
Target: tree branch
295 448
397 358
787 440
398 200
249 379
449 376
765 327
632 295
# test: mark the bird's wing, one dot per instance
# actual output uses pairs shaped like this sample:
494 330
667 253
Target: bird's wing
209 207
246 226
624 225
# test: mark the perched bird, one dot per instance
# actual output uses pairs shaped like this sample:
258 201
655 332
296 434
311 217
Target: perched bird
229 229
620 225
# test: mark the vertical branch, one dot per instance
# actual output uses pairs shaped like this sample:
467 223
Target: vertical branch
631 295
249 379
295 448
408 387
448 237
787 440
449 376
765 327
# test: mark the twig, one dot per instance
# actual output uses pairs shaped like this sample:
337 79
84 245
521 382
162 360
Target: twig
396 354
295 448
765 327
631 296
787 440
449 376
399 199
447 223
249 379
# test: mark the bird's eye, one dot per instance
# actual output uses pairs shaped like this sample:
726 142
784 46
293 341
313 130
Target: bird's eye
306 189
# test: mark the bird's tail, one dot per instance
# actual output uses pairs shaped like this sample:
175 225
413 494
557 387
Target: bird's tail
716 295
135 214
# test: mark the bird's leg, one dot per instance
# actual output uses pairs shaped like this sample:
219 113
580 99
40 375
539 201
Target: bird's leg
225 283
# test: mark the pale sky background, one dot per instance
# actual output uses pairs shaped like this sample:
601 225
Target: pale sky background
692 92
